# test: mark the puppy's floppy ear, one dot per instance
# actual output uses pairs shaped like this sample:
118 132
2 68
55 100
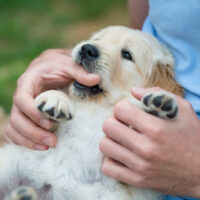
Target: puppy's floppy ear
162 75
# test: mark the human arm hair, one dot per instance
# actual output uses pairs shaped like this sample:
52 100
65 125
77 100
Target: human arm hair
138 11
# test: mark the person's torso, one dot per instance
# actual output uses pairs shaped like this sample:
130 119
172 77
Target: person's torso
177 25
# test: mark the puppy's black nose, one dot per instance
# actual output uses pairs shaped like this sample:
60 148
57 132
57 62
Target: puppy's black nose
89 51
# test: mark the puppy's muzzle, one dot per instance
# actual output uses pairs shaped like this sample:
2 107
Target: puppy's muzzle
88 55
89 52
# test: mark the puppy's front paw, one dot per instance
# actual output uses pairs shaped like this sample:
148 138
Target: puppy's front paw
54 105
161 104
23 193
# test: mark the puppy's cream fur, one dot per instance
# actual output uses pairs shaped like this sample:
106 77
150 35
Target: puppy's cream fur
72 170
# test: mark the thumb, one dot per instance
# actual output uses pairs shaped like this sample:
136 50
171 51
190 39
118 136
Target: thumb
138 92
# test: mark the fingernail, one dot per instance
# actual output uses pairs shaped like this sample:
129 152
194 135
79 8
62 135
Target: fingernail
48 141
138 89
93 76
45 123
40 147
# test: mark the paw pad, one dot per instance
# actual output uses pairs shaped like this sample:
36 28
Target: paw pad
54 113
160 104
50 111
54 105
23 193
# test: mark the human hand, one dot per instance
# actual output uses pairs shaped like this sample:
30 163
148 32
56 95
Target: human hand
52 69
158 154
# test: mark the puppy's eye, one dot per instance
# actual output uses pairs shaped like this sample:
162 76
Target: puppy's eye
126 55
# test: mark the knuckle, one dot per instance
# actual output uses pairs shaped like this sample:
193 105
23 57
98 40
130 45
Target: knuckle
13 119
145 168
156 130
7 131
30 133
34 115
35 61
106 168
48 51
187 105
133 145
16 98
6 137
118 174
29 145
107 124
128 159
14 115
103 145
20 80
150 152
140 181
33 138
119 107
109 170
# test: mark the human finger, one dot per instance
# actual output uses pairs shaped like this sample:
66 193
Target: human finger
57 67
136 118
121 173
12 135
78 73
138 93
123 155
122 134
28 129
25 103
6 137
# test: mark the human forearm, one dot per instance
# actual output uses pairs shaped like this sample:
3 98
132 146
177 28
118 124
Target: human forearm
138 10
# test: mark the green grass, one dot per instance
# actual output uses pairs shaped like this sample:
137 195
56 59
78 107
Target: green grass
28 27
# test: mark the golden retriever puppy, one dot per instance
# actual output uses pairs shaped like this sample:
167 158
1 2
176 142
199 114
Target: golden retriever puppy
123 58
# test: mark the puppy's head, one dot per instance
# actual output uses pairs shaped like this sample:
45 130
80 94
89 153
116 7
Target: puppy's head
123 58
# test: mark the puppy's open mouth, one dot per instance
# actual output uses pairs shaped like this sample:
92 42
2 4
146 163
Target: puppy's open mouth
90 90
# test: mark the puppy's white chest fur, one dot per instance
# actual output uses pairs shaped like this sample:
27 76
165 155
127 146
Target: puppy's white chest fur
74 166
78 142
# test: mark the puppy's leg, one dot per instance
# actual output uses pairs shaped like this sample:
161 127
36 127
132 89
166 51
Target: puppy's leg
55 105
161 104
9 173
22 193
5 168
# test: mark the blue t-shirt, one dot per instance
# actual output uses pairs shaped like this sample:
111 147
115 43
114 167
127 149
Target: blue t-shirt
176 24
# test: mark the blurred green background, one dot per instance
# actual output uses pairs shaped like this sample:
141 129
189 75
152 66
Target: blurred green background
28 27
